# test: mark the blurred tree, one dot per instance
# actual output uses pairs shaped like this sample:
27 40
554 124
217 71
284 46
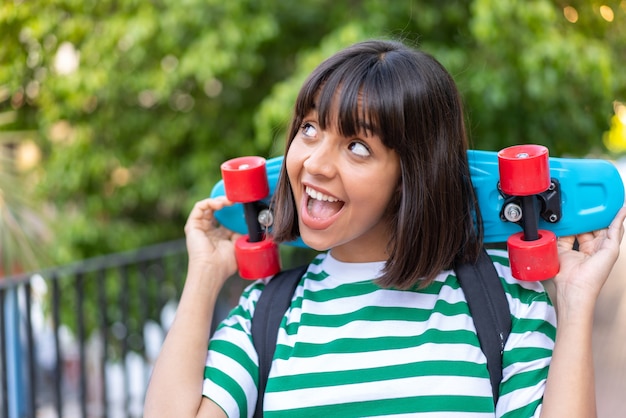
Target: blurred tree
137 103
538 74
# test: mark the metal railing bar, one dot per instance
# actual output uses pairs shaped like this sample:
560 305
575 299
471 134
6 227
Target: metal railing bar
102 304
125 317
159 298
30 347
58 370
101 262
3 353
146 277
80 325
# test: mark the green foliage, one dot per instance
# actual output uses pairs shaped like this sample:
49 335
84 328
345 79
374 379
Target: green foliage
540 75
153 96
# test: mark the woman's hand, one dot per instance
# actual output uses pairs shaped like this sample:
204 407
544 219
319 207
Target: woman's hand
584 272
208 244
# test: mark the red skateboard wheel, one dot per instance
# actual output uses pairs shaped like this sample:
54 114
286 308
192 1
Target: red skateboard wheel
256 260
245 179
534 260
524 170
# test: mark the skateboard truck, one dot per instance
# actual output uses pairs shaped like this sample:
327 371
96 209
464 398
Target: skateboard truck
245 181
530 193
549 203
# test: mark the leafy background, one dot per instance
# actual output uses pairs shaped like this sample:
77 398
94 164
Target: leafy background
118 113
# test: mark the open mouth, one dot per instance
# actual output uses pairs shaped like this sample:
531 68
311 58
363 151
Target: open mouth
321 206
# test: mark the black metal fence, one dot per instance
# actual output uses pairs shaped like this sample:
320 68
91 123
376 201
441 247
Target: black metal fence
80 340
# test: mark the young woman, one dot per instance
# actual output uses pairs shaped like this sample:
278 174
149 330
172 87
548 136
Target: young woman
376 177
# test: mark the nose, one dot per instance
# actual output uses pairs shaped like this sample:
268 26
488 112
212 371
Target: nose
321 160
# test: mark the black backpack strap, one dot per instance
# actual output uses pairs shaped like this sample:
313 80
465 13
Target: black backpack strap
490 311
269 311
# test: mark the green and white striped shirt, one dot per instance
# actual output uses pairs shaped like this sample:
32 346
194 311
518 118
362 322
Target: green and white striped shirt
349 348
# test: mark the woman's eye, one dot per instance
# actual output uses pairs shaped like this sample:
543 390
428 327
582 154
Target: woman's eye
308 129
359 149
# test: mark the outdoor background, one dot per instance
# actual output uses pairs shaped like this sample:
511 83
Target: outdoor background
119 112
115 114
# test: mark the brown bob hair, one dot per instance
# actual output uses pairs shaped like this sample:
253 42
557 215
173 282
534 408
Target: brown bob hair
414 106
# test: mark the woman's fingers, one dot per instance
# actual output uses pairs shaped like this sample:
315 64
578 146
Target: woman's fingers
586 268
202 215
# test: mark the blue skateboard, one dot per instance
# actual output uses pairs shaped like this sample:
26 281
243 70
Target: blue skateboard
526 199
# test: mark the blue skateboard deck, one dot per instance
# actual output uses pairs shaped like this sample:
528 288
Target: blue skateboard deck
592 192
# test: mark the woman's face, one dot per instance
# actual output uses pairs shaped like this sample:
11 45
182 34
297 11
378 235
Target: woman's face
342 187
